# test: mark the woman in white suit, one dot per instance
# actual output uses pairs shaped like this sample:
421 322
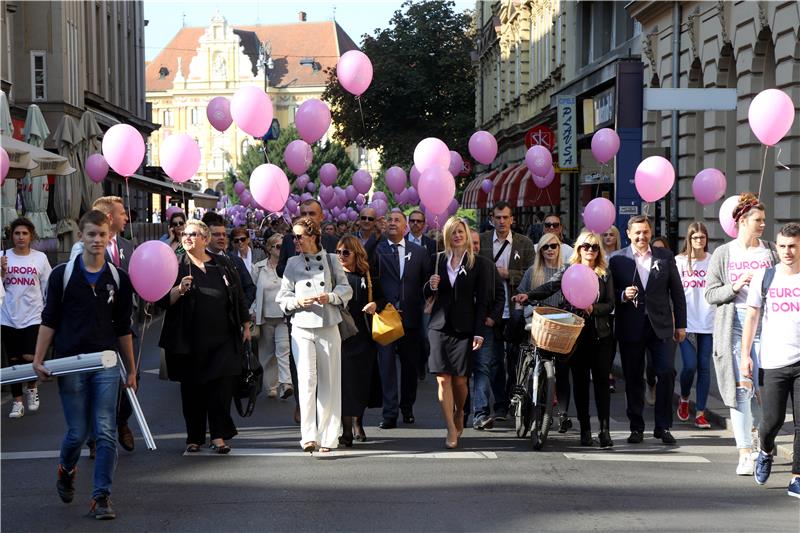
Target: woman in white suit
313 290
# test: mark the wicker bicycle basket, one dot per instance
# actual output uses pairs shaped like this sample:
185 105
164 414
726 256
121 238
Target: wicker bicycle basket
555 335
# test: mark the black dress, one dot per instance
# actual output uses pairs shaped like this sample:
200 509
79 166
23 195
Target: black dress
360 378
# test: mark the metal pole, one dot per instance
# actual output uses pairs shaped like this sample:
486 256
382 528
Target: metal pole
137 409
672 201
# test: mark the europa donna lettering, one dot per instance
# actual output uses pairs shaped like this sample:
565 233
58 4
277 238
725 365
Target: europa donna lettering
784 299
693 279
21 275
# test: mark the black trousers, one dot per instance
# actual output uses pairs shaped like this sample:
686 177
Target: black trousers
210 402
779 385
591 356
563 388
633 362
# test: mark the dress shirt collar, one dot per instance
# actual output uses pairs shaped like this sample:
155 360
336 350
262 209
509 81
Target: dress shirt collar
401 244
508 238
645 255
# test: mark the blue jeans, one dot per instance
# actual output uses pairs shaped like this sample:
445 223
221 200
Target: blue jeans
481 386
747 413
697 361
497 373
89 400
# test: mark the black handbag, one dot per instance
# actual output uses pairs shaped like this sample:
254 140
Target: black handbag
249 383
347 327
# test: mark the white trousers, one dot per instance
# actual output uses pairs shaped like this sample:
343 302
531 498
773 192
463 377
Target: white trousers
273 347
317 353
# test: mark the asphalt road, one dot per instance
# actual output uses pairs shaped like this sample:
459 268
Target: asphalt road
400 480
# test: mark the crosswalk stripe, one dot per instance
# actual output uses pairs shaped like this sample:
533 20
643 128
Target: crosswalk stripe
377 454
47 454
636 457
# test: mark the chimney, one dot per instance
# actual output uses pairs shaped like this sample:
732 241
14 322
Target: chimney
301 16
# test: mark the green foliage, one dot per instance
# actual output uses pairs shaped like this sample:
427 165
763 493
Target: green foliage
422 86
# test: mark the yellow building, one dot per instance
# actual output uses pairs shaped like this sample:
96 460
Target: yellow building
198 64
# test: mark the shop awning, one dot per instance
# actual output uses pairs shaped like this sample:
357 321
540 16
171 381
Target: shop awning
529 195
208 201
507 189
499 191
474 197
24 157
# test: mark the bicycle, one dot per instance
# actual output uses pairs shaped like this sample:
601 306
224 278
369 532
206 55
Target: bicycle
532 400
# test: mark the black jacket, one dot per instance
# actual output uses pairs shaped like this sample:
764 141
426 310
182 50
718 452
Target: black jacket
461 308
245 279
601 309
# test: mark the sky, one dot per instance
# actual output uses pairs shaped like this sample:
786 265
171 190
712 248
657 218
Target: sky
357 17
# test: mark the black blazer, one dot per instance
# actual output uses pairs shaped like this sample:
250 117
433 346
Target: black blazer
406 293
497 295
601 309
461 308
663 287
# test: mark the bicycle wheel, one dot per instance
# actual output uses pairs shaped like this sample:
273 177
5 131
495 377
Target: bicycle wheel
522 393
542 410
547 420
523 415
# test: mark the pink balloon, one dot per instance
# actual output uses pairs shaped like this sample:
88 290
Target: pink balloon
380 207
379 195
413 175
298 156
352 215
486 185
312 118
709 186
351 193
483 147
173 209
362 181
453 207
5 164
771 115
580 286
431 152
245 198
654 178
180 157
605 145
269 187
396 179
360 200
412 196
123 148
456 163
539 160
328 174
218 112
354 71
239 186
251 109
291 205
153 270
302 181
544 181
326 193
96 167
311 186
436 189
726 216
599 215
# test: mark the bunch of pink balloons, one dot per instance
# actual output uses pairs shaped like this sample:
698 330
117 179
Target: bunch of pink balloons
123 148
269 187
218 112
354 71
96 167
771 115
251 109
709 186
546 180
605 145
153 269
654 178
298 156
312 118
180 157
599 215
482 147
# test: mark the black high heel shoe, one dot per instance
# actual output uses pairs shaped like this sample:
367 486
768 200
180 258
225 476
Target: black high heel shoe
358 430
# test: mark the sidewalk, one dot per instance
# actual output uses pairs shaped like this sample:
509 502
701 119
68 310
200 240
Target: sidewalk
717 412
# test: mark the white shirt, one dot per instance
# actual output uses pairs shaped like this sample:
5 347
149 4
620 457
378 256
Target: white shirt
699 314
452 273
25 284
401 252
413 239
741 261
780 323
248 259
643 263
503 261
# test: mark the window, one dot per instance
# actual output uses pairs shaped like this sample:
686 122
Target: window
245 146
194 116
559 37
517 67
547 57
531 54
38 76
168 118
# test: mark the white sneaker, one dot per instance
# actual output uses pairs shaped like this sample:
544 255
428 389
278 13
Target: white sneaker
17 410
745 467
32 399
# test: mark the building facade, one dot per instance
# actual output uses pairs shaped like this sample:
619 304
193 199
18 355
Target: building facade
287 60
747 46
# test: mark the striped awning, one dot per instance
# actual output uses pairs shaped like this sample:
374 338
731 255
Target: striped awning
529 195
474 197
513 185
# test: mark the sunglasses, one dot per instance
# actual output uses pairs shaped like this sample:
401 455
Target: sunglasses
609 235
586 247
344 252
552 224
177 224
277 247
189 234
551 246
416 221
237 240
297 237
370 219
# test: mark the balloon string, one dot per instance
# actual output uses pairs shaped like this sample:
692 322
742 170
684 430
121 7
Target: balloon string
264 148
778 160
148 319
361 112
763 167
128 194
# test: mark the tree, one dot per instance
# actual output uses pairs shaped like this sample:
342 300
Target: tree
422 85
331 152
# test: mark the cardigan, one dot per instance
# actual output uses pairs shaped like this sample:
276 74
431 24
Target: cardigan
719 293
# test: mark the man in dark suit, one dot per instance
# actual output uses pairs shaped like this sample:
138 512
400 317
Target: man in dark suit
648 292
512 254
218 244
402 268
312 209
416 226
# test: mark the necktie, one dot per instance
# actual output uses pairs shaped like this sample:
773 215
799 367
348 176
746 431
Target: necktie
115 257
396 257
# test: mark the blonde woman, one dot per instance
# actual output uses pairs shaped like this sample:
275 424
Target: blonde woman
273 345
457 321
593 350
611 240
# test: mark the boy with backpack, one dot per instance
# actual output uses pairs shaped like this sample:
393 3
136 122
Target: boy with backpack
779 301
88 309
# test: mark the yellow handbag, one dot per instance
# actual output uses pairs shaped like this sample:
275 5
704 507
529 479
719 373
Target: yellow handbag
387 326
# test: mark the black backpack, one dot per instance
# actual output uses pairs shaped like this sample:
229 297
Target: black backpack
249 383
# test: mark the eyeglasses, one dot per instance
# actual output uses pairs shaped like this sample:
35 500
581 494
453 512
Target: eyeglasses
552 224
700 237
551 246
238 240
586 247
177 224
416 221
277 247
189 234
297 237
370 219
308 213
344 252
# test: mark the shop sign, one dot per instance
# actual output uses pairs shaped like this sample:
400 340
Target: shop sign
567 130
540 135
603 107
